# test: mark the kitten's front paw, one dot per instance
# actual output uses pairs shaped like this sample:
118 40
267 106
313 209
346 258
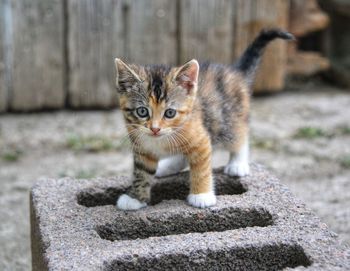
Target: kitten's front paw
126 202
202 200
239 169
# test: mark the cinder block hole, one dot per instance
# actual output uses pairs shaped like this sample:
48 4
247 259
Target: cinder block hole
266 257
164 189
197 220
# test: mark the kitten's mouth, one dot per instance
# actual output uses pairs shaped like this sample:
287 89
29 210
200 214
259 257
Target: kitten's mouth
155 135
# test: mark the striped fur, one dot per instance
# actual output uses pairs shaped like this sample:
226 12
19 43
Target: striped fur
212 105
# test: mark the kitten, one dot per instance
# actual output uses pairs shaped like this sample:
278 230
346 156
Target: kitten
175 114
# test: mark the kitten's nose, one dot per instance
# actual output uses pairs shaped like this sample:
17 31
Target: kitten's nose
155 130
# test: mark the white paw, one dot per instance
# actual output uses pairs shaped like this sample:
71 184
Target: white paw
202 200
126 202
239 169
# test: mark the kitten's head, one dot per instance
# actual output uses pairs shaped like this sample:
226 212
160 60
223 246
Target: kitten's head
156 99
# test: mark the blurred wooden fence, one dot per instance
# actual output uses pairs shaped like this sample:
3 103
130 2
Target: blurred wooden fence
60 53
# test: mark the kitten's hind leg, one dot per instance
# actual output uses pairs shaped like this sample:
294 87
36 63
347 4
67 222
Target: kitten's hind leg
238 164
171 165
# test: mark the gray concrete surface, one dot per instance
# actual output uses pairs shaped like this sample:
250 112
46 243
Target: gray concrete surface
44 145
256 225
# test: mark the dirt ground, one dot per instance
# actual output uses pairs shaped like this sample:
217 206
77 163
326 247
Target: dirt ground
302 135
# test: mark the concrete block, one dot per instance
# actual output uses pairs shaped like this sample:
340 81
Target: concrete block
256 225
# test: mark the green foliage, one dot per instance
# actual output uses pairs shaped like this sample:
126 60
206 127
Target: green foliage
80 174
344 130
11 155
93 143
85 174
264 143
345 161
310 133
316 132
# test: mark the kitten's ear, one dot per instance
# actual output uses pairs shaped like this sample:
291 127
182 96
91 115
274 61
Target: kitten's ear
187 76
125 73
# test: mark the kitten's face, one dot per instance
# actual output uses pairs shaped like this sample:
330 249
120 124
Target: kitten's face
156 100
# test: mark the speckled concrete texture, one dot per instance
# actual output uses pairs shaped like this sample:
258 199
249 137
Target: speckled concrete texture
257 224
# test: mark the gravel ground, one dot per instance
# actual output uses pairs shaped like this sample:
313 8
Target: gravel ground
302 135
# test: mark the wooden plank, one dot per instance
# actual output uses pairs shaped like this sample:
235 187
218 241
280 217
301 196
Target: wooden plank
151 31
242 30
251 16
306 16
135 31
37 66
95 38
4 9
206 30
273 65
307 63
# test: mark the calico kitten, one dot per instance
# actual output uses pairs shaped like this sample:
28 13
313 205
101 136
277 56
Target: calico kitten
175 114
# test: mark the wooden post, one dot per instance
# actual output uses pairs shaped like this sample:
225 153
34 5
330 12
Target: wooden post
63 50
250 17
36 63
150 31
221 30
95 38
206 30
135 31
4 8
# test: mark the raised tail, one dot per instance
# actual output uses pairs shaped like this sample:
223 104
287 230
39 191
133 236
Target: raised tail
249 61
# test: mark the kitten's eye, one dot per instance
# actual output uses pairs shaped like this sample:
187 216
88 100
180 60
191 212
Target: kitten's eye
142 112
170 113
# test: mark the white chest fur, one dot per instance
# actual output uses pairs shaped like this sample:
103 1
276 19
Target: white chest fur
159 147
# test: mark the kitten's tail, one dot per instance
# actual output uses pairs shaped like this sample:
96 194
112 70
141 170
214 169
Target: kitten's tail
249 61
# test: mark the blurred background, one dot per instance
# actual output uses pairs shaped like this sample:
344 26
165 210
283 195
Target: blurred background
58 108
